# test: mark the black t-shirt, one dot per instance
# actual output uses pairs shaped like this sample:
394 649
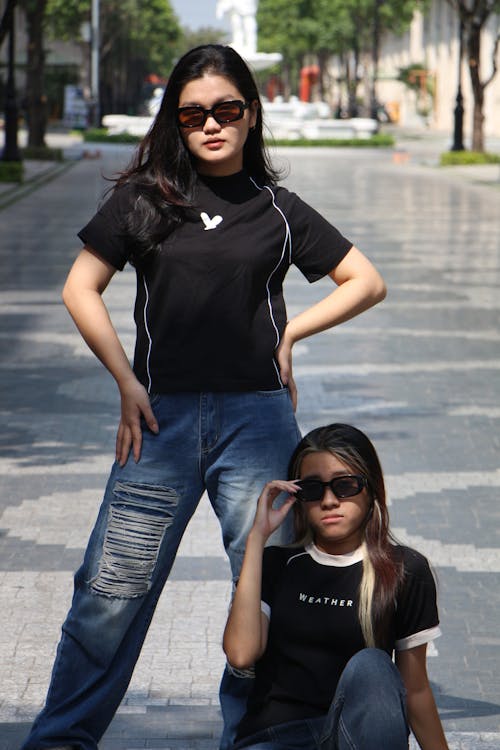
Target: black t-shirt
209 308
311 599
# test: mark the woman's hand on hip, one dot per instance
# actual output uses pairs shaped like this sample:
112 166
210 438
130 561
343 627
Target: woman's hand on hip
284 360
134 405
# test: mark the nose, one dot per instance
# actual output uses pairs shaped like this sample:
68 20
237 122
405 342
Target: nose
211 125
330 499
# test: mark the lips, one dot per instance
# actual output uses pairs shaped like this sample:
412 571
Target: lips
331 519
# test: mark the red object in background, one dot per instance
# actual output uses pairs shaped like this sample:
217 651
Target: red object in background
309 75
274 87
155 80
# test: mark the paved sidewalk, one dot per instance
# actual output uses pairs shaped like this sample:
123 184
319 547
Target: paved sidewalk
419 373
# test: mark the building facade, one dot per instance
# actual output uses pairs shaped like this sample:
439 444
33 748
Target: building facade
429 52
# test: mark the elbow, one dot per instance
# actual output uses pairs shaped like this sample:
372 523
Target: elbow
378 289
68 296
239 656
65 294
381 290
240 660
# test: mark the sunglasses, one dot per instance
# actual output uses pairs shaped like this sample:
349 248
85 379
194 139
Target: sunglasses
195 116
312 490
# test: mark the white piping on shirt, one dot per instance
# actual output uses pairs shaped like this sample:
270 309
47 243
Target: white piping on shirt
294 557
287 240
144 313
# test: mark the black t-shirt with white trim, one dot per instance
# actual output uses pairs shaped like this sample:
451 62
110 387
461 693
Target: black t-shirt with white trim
311 599
209 309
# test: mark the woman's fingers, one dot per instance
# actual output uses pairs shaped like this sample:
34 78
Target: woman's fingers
135 406
123 443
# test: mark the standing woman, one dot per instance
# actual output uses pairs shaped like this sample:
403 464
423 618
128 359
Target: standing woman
323 617
209 402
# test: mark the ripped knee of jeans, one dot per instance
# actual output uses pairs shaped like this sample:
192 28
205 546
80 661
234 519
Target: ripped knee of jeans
138 518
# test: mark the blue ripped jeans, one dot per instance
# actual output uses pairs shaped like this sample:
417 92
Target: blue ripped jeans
368 712
228 444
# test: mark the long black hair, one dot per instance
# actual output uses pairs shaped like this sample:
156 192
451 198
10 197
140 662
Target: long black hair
382 568
163 169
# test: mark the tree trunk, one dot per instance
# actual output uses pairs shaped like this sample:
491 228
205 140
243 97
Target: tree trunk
36 101
4 22
287 89
352 82
474 58
324 87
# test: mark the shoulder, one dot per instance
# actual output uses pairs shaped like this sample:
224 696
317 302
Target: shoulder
119 199
415 564
282 556
288 200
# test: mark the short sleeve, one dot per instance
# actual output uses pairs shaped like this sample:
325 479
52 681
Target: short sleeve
417 619
317 246
106 232
273 562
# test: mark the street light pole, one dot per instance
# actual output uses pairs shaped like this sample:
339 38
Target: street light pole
458 129
11 151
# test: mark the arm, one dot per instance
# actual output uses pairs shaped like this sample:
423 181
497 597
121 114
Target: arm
359 286
82 295
245 634
422 712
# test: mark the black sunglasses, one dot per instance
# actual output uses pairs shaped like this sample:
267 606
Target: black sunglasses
195 116
347 485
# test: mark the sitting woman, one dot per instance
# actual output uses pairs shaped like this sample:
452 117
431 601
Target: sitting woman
322 618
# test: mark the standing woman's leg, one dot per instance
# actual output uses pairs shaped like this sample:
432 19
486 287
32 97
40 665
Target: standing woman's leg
130 553
368 711
253 437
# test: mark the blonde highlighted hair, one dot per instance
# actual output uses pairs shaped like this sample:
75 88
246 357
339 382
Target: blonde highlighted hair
382 570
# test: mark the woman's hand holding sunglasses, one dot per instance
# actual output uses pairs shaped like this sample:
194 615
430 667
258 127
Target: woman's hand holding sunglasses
267 517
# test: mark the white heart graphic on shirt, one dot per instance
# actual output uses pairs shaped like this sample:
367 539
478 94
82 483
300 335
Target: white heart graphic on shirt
210 223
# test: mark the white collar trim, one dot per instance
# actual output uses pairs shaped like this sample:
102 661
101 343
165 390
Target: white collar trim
337 561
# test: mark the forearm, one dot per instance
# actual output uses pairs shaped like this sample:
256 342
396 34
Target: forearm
424 720
243 641
359 286
345 302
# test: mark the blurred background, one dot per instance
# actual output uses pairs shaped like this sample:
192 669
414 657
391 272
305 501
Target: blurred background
428 64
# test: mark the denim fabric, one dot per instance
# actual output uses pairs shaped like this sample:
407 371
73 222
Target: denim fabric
227 443
303 734
368 712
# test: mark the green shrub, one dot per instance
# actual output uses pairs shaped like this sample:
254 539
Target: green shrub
456 158
380 139
11 171
43 153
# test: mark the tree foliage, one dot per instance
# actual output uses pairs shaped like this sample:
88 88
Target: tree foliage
137 38
284 27
328 27
204 35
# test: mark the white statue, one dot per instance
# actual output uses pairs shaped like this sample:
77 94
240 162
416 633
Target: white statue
243 23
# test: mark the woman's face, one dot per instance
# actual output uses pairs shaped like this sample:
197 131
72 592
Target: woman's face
337 524
217 148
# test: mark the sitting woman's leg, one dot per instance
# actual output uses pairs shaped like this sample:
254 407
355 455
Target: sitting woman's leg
368 711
